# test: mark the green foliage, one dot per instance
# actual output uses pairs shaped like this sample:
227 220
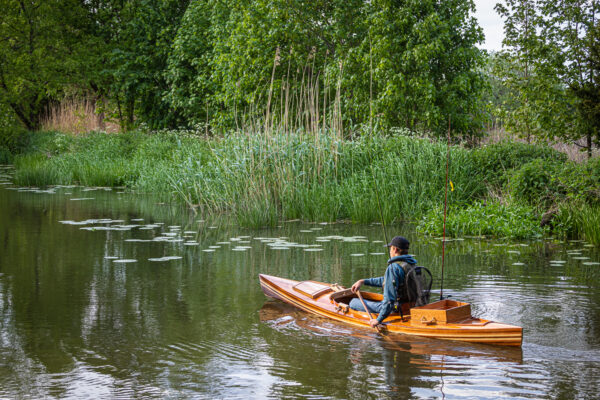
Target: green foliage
533 182
296 176
138 59
578 220
551 66
408 64
580 181
174 63
43 50
263 179
484 219
498 160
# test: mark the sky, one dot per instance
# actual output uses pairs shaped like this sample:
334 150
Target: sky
492 24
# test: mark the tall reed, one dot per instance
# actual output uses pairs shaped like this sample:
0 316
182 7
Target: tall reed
576 220
76 115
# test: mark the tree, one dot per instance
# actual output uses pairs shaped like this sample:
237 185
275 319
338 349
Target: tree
411 63
550 47
41 49
427 66
136 38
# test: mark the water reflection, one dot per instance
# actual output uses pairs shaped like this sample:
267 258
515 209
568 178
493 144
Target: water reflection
404 366
73 323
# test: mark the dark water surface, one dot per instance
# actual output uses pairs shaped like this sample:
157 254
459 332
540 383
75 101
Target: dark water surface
74 323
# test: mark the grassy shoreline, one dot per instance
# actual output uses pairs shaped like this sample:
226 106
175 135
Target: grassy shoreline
499 190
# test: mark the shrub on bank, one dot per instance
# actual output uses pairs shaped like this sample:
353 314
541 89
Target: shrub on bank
497 161
534 182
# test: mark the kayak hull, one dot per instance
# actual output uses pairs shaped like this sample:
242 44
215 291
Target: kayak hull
331 301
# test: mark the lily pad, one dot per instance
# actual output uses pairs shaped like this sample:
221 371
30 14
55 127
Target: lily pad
166 258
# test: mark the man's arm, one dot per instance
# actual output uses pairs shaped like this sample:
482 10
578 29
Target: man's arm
389 294
376 282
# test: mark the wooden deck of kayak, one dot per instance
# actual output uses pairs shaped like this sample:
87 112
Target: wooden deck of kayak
441 320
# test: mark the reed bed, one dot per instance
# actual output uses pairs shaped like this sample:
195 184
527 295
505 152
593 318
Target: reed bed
77 115
263 178
579 221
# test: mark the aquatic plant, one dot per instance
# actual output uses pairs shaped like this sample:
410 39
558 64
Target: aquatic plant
490 218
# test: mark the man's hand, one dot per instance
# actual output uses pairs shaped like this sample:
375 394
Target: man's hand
357 285
374 323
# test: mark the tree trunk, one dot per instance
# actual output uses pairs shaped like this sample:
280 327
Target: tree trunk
130 113
589 144
25 120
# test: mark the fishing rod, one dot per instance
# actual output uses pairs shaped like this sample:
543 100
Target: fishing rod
445 210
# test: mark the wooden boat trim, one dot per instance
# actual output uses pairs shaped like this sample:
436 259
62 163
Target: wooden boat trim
322 301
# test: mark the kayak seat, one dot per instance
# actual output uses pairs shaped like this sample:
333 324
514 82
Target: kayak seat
343 296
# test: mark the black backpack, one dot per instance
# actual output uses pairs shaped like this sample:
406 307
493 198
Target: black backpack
416 286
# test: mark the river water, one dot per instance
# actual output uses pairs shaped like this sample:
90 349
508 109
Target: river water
91 308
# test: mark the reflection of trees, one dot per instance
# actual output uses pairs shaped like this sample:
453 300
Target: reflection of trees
191 325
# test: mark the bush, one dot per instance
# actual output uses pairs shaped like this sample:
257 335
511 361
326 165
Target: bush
580 181
498 160
534 182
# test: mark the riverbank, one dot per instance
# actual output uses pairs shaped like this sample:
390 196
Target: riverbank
505 189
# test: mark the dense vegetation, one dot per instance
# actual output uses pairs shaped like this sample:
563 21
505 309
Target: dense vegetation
501 189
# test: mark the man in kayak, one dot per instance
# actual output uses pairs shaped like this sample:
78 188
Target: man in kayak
390 281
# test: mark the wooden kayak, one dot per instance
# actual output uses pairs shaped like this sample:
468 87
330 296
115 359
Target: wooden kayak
445 319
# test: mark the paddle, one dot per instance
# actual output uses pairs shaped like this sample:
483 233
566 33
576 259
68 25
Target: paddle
366 309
